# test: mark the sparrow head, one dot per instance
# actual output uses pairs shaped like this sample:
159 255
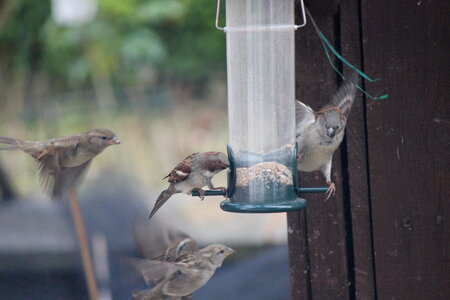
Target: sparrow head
102 137
215 161
216 254
333 121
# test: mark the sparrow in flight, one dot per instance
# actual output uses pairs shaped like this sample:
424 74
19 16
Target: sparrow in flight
180 270
63 160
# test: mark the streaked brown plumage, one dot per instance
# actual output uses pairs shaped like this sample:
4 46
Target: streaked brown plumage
180 270
193 173
63 160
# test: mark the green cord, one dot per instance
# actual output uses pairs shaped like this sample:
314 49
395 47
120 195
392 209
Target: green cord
326 43
324 39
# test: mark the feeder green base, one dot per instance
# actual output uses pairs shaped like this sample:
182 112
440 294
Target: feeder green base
291 205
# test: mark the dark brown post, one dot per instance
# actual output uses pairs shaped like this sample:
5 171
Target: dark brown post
407 44
317 236
384 235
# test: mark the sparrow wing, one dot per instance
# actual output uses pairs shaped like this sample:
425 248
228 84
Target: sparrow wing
68 178
56 181
154 271
345 96
162 198
65 141
304 117
172 246
55 152
182 170
50 160
185 282
181 246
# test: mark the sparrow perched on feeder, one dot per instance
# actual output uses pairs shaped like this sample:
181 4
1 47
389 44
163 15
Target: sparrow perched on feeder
193 173
63 160
180 270
320 133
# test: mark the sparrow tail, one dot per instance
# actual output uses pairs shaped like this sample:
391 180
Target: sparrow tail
7 143
163 197
153 294
141 295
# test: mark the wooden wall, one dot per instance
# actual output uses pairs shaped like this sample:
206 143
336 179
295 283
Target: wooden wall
385 235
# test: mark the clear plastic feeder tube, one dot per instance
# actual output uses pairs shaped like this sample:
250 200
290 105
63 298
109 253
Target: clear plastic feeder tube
261 106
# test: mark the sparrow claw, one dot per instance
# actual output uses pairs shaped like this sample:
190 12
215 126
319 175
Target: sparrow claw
223 189
331 190
201 192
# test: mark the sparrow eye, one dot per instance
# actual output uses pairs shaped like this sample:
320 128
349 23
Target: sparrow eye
104 138
222 251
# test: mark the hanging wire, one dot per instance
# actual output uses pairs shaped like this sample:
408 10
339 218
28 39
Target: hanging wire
303 15
326 44
217 16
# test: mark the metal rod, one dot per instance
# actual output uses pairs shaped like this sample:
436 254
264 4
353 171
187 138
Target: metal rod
88 266
312 190
210 193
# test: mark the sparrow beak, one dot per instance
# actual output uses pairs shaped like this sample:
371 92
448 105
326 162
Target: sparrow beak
230 251
114 141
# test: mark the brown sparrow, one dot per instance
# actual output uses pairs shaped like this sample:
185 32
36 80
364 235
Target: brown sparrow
320 133
193 173
63 160
181 270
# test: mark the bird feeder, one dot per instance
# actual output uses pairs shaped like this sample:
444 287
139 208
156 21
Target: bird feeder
261 106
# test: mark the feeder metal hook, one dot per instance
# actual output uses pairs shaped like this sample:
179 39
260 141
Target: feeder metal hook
225 29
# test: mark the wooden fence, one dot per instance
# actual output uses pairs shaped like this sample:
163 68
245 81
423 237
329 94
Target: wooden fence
385 235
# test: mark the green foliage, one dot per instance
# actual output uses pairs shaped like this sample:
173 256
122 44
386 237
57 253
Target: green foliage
20 40
172 38
195 46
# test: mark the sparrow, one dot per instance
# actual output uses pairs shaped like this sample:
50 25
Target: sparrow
320 133
180 270
63 160
193 173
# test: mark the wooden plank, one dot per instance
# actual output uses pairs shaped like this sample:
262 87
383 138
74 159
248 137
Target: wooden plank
298 246
298 256
361 272
406 43
325 224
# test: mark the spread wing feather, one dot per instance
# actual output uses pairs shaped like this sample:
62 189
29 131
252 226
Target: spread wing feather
304 117
345 96
55 179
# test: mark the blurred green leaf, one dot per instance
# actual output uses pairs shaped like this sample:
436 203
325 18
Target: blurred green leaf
158 11
142 47
164 38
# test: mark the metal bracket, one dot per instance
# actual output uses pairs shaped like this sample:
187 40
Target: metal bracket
259 28
217 192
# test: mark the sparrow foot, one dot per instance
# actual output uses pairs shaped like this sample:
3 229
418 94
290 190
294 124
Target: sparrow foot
201 192
331 190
